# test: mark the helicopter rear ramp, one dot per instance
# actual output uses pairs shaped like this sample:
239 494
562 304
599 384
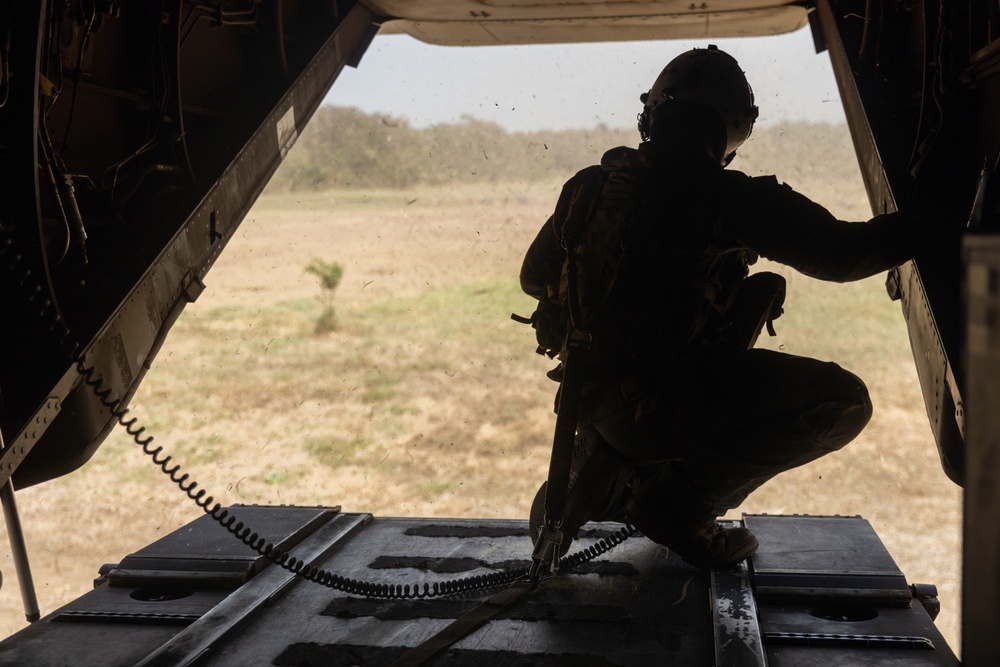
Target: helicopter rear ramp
821 591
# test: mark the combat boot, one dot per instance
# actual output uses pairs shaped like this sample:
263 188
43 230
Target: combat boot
702 544
599 486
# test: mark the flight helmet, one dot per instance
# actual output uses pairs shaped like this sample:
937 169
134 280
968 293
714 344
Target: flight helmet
708 79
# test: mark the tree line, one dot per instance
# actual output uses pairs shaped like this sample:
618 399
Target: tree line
344 147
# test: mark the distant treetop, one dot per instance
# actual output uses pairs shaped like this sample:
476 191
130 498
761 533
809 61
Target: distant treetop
343 147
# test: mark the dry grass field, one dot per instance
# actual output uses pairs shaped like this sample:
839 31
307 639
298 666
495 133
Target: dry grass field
427 400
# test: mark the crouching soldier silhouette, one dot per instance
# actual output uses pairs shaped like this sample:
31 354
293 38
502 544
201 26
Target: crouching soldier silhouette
642 277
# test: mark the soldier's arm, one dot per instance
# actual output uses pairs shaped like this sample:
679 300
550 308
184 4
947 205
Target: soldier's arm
787 227
543 262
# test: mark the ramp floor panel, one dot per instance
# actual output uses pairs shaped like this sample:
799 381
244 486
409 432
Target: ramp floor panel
634 605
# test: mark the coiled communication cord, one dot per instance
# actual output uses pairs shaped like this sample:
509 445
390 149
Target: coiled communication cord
57 327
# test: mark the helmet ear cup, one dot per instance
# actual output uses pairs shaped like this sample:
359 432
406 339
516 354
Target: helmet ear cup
643 119
643 124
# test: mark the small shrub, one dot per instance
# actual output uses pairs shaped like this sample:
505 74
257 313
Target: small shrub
329 274
275 478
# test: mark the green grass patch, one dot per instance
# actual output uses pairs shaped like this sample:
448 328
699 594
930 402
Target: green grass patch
379 385
475 312
207 449
335 451
433 488
275 478
855 324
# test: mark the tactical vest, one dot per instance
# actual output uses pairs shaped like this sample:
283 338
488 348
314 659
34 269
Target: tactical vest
644 277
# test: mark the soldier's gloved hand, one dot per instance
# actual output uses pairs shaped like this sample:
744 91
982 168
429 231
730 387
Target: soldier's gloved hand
549 324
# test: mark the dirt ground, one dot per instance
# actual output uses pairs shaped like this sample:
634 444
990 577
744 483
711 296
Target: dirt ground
460 454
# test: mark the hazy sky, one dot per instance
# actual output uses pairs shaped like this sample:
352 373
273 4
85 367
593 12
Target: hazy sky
571 86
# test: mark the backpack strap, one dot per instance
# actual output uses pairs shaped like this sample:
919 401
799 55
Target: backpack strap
573 234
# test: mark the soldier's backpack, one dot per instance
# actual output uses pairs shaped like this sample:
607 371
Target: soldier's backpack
600 215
